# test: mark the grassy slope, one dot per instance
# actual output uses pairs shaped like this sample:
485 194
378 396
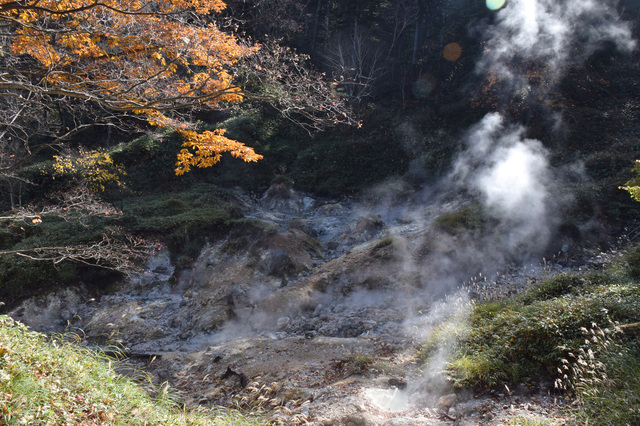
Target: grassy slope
563 330
57 382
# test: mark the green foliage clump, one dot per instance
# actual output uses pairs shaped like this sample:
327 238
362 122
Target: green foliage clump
556 286
149 160
22 277
467 218
527 336
334 162
44 381
334 166
631 261
184 220
633 185
551 330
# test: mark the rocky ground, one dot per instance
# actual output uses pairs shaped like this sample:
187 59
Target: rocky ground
311 316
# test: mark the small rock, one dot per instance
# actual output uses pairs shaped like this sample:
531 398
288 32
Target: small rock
278 263
332 245
445 402
368 226
398 382
156 333
239 296
308 203
243 314
283 322
354 420
468 407
318 310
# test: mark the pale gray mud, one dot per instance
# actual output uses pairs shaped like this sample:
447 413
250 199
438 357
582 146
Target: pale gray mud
311 315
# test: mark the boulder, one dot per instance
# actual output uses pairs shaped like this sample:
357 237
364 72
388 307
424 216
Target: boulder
278 263
366 228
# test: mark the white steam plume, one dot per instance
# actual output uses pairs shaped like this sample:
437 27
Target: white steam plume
532 44
509 172
557 32
512 176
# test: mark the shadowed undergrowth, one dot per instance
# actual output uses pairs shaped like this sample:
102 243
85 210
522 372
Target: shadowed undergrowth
183 221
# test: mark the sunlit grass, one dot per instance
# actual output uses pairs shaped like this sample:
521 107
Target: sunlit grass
605 377
531 421
44 381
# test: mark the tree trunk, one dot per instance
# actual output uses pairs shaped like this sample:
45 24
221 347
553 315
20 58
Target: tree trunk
316 21
416 39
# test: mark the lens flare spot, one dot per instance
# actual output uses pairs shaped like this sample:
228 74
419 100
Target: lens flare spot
424 86
495 4
452 52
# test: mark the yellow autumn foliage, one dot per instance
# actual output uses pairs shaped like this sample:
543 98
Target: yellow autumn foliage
633 185
93 169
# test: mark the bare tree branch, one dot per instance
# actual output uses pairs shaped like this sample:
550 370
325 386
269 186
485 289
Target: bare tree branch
124 255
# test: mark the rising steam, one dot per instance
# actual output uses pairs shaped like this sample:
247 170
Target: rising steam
512 176
510 173
558 33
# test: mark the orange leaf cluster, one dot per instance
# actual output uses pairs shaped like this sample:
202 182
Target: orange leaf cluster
205 149
142 56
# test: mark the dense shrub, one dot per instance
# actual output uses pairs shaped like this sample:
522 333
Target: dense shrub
527 336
